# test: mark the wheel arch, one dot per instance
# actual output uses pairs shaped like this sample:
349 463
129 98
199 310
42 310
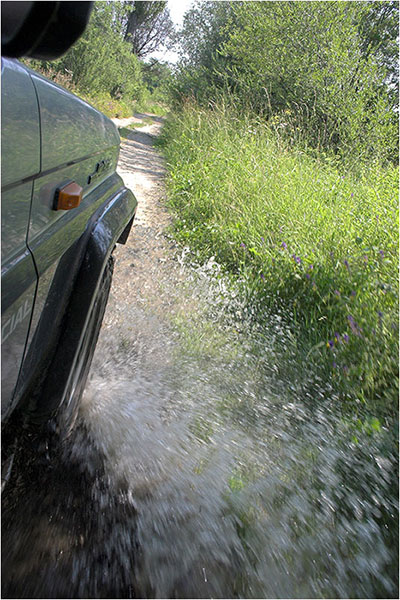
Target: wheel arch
42 392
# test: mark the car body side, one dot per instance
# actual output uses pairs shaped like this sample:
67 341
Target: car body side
52 260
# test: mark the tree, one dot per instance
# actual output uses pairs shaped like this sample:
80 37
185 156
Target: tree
328 63
204 30
325 69
379 31
156 74
148 26
101 61
202 68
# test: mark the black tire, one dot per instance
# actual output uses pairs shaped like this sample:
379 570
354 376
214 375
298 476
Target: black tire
68 410
22 439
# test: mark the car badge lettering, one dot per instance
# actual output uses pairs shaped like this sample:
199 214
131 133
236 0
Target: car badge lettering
12 323
100 167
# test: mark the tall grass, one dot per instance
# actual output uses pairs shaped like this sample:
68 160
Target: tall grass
304 232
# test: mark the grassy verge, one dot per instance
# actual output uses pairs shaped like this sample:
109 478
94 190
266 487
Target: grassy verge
305 234
152 104
108 105
123 108
103 101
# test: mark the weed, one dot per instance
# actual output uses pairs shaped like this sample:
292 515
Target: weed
302 232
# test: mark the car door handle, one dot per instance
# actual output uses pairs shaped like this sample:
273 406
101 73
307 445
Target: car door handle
67 197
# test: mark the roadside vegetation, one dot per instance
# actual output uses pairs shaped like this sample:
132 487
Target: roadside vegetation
305 234
282 155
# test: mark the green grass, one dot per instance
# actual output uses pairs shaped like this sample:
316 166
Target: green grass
124 132
307 235
124 108
109 106
151 106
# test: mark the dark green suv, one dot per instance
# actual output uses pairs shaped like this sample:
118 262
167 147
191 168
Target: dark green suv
64 208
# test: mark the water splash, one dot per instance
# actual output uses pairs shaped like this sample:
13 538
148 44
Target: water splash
246 484
207 463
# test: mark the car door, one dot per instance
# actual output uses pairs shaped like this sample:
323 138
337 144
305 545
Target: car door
20 140
80 147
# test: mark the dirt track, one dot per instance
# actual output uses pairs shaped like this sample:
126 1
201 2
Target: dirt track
144 266
142 170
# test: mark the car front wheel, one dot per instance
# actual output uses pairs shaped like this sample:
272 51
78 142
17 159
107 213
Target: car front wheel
68 410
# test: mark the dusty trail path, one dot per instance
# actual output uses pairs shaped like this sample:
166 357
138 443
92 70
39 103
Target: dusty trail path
145 294
142 170
152 376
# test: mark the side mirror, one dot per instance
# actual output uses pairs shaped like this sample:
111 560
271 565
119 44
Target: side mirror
43 30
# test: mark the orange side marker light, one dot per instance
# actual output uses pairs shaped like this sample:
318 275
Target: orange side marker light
67 197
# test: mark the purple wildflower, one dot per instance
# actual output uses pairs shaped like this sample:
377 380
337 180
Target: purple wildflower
365 258
284 245
262 276
262 239
311 267
308 276
345 338
330 344
242 245
353 326
337 293
351 195
380 314
346 263
337 336
381 252
334 365
352 293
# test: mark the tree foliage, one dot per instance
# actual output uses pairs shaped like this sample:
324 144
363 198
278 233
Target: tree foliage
156 75
379 31
106 59
147 26
200 39
329 67
102 61
203 32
